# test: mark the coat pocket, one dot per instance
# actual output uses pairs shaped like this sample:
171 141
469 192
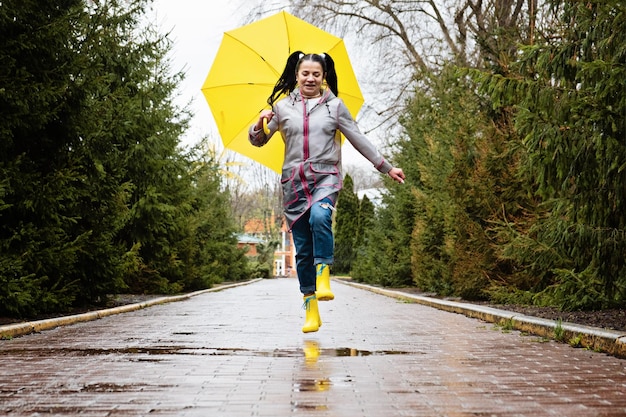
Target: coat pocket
325 175
290 188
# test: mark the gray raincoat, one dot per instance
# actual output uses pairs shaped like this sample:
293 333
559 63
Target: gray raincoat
312 166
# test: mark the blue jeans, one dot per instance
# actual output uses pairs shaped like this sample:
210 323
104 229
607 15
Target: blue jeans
313 239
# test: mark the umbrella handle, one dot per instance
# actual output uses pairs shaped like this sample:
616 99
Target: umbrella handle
265 128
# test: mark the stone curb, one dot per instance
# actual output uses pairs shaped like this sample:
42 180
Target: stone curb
597 339
22 329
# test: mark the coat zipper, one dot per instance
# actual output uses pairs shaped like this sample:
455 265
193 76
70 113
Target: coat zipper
305 119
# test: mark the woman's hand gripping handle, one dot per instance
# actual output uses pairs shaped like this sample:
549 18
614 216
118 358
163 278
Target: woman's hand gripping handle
264 118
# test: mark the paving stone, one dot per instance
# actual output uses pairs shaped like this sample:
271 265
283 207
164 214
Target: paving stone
240 352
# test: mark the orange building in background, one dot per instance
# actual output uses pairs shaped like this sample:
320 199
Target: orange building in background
255 232
245 240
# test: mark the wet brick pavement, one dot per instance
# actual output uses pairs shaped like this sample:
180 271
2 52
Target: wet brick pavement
240 352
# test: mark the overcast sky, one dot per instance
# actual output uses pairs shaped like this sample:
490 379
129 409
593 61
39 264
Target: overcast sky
196 27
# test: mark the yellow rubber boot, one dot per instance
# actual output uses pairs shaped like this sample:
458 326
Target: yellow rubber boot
312 321
323 291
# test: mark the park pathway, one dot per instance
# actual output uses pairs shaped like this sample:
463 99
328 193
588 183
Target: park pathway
240 352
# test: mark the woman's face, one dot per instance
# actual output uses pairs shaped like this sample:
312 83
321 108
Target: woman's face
310 76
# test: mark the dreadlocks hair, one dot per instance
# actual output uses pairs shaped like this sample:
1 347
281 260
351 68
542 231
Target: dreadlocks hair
287 81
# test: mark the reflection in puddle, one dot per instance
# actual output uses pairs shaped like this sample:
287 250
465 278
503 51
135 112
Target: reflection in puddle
312 385
312 379
312 351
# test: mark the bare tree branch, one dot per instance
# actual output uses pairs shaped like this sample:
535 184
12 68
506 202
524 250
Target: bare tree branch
394 40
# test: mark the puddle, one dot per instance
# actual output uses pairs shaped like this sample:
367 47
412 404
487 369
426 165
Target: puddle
205 351
105 388
298 406
109 388
357 352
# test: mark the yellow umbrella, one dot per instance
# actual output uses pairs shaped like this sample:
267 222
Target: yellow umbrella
248 63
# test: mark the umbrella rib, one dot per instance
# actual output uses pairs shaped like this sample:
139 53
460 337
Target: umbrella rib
254 52
288 34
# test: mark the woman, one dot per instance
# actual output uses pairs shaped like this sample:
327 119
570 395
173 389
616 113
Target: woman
310 120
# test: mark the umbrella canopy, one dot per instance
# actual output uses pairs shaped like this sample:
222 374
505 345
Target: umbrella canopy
248 63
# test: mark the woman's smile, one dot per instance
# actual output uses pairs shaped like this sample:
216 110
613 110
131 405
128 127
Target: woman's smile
310 77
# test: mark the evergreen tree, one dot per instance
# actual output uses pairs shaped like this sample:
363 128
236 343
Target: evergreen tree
95 195
346 224
130 131
467 188
371 264
385 258
209 253
44 183
569 92
364 222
